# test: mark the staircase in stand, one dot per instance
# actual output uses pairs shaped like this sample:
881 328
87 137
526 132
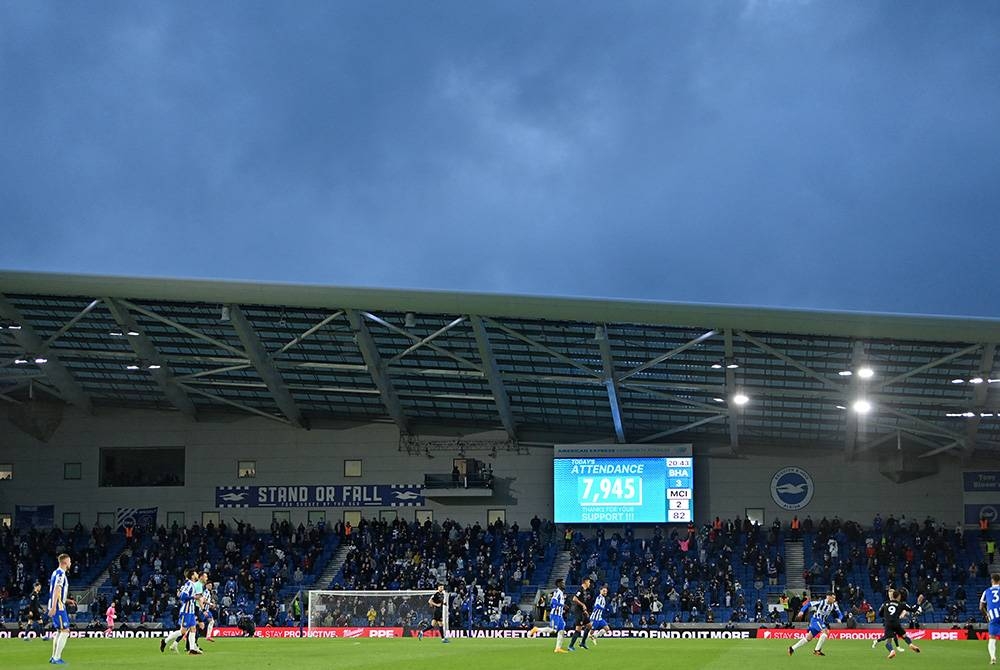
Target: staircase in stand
795 565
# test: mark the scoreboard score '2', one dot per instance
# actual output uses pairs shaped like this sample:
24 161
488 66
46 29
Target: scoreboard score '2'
596 487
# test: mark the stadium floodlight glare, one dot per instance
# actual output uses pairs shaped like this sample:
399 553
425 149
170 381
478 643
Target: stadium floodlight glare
152 366
732 366
985 414
741 399
976 380
115 333
716 366
13 326
719 399
845 373
862 406
866 372
133 333
132 366
957 381
20 361
992 381
40 360
841 407
969 415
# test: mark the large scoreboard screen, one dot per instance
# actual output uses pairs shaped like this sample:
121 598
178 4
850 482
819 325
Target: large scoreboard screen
646 484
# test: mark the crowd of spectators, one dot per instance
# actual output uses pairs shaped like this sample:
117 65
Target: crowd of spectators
724 571
484 568
27 555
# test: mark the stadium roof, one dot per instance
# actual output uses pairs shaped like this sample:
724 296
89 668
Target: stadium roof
630 371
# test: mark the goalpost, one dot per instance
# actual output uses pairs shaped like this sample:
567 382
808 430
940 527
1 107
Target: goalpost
406 609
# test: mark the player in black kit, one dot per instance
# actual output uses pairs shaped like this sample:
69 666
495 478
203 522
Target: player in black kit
436 602
891 612
581 615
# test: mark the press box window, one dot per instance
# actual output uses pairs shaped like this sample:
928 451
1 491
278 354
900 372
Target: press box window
6 471
246 469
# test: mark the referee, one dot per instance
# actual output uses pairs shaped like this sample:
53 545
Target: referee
581 615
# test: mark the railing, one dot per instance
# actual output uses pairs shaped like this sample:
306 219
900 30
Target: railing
450 481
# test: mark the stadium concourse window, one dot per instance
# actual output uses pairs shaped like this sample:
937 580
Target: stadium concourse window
756 515
316 516
70 520
246 469
72 470
210 518
138 466
106 519
281 516
5 521
424 515
175 519
494 515
6 471
353 517
387 515
352 468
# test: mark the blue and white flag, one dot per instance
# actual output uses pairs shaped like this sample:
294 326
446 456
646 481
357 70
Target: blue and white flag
139 517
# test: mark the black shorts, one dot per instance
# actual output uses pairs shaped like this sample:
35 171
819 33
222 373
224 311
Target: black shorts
438 614
580 619
894 629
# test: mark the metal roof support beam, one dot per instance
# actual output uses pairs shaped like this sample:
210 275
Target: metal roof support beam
54 368
146 351
69 324
182 328
233 403
264 366
681 429
714 409
551 352
788 359
733 421
930 427
851 431
441 350
979 397
608 365
868 446
366 344
489 360
670 354
298 338
427 340
927 366
935 452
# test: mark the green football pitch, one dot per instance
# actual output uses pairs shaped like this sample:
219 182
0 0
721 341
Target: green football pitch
468 654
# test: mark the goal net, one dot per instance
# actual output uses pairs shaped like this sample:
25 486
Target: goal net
408 610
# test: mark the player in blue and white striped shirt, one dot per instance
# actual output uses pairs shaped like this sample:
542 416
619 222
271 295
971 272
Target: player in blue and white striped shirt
187 620
989 605
557 610
819 622
58 597
598 617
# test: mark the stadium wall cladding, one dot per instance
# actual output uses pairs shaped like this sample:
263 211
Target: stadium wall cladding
64 473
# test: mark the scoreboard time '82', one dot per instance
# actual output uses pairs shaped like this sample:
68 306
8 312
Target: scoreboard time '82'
623 489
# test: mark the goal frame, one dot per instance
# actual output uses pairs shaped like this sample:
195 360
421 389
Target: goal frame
379 594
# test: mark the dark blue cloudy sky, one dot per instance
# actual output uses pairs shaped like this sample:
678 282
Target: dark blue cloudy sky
776 152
